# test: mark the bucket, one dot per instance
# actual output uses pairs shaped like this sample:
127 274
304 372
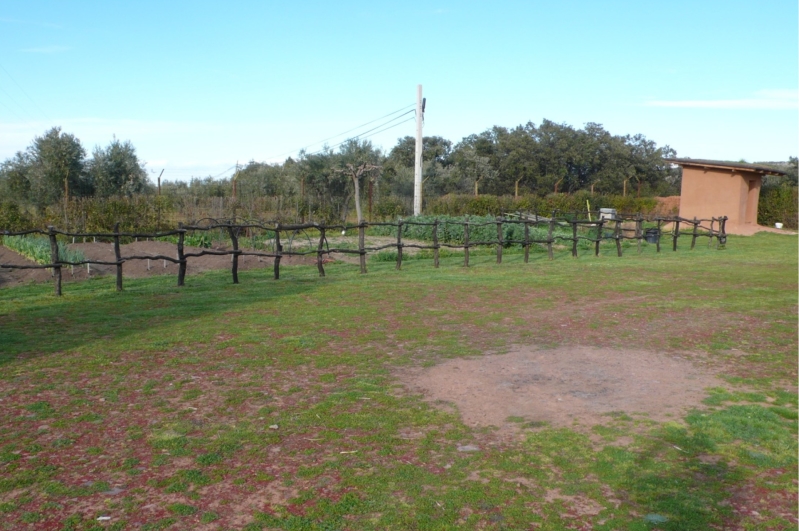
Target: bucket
651 235
778 225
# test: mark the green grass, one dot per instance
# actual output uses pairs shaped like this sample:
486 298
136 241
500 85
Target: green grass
278 401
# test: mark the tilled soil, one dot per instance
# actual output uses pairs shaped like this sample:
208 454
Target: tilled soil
134 268
565 385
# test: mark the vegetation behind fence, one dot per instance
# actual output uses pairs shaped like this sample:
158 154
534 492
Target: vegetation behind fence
522 229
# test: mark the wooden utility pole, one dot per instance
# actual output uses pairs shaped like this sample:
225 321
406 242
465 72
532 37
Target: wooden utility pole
417 165
159 181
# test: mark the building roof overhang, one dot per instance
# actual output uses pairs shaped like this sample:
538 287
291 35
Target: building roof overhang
724 165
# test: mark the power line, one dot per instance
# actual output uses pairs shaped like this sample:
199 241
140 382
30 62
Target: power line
344 133
364 135
26 94
17 104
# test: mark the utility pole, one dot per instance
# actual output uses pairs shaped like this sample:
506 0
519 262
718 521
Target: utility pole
417 167
159 181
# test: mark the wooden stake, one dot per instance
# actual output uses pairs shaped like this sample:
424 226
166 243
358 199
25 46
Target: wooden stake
599 235
399 245
618 237
526 241
118 256
657 241
574 239
54 259
181 256
362 237
234 239
435 244
319 250
639 231
466 243
499 240
278 251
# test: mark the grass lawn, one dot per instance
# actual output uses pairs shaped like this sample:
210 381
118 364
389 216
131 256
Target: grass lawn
276 405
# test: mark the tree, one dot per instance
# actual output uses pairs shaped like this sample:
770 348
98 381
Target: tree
357 159
57 168
116 170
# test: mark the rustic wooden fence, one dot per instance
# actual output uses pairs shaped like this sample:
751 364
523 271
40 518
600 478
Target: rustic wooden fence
615 229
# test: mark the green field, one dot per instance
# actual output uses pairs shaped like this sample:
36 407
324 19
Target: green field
276 405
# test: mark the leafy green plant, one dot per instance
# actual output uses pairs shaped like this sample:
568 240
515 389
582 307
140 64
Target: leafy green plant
481 229
37 249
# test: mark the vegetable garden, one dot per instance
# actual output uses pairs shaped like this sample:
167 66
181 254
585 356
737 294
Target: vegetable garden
526 231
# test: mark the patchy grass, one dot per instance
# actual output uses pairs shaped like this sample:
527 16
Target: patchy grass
271 404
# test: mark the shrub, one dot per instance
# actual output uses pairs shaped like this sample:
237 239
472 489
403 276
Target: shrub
778 205
484 205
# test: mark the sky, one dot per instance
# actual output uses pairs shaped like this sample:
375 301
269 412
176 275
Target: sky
200 86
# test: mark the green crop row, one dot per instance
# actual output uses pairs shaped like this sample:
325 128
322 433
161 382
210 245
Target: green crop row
451 230
37 249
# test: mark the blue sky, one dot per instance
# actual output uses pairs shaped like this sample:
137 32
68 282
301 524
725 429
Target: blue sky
197 86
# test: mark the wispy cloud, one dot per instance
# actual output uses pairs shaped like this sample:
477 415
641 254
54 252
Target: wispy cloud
46 49
780 99
30 23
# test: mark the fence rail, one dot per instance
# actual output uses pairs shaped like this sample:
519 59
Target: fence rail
615 228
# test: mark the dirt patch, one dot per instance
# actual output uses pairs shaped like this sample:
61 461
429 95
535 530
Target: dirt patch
12 277
565 385
135 268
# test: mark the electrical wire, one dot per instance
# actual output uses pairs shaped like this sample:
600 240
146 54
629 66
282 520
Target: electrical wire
18 105
364 135
44 114
345 132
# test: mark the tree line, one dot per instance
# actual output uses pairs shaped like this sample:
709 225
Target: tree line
527 160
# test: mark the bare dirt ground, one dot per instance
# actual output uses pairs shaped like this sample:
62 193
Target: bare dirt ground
565 386
133 268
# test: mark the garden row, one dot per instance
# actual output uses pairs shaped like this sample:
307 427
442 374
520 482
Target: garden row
525 230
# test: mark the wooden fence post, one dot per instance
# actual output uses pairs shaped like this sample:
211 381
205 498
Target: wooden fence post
500 241
278 251
618 236
601 224
693 239
181 256
362 246
723 232
118 256
574 239
399 245
710 240
234 239
549 235
676 234
435 243
657 241
466 243
319 250
639 230
54 260
526 241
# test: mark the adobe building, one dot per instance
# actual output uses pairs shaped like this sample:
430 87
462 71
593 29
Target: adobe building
713 188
